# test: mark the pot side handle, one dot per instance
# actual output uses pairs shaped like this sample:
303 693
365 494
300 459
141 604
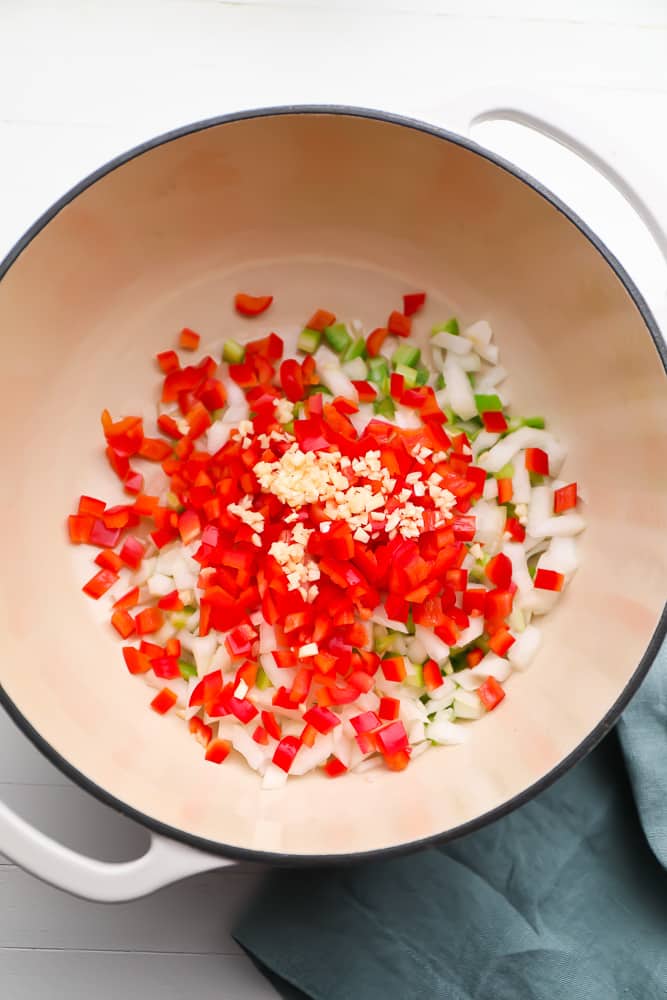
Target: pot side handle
634 177
164 862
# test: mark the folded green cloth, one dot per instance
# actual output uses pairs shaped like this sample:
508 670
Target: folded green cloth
564 899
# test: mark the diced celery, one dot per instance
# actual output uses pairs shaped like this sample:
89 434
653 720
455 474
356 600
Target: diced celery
179 619
289 427
450 326
187 670
410 623
488 403
440 381
409 374
448 669
536 479
422 375
173 502
406 354
262 681
385 407
218 414
337 337
309 340
233 352
312 389
298 409
357 349
378 370
532 563
382 644
537 422
458 661
477 573
507 472
415 675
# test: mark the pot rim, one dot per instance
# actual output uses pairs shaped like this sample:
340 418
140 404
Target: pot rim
608 721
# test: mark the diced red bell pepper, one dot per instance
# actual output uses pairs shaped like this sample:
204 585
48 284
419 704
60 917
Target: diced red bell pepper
123 623
128 600
494 421
198 419
432 675
272 725
189 526
499 571
80 527
515 529
320 319
375 340
284 657
108 559
399 324
251 305
164 701
188 339
286 751
367 392
505 490
393 668
322 719
149 620
537 461
168 361
260 736
366 742
133 482
412 302
397 386
474 656
397 761
165 667
464 527
501 640
217 751
498 605
200 730
365 722
474 601
89 505
392 738
548 579
291 380
100 535
100 583
389 709
132 552
565 498
334 767
490 693
170 602
136 661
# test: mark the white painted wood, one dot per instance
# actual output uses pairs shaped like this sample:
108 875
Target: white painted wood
82 80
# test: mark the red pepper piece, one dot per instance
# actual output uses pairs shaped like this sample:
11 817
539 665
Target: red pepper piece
412 302
217 751
499 571
100 583
136 661
389 708
565 498
399 324
334 767
494 421
80 527
168 361
251 305
393 668
501 640
537 461
375 340
490 693
132 552
286 751
148 621
320 319
392 738
188 339
164 701
548 579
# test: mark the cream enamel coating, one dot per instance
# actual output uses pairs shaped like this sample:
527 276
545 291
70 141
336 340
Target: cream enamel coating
347 213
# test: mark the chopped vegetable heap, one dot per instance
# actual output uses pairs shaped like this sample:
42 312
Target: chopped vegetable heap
344 550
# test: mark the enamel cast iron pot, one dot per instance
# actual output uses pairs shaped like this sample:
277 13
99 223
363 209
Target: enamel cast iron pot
349 209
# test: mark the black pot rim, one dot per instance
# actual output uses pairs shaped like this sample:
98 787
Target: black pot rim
609 719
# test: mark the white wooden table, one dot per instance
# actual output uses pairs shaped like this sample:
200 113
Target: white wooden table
81 80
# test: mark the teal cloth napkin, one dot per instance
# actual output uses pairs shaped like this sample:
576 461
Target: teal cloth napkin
564 899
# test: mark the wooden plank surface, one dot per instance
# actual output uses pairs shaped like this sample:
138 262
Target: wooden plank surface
82 80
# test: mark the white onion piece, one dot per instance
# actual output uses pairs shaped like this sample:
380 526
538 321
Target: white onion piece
279 676
467 705
416 732
145 571
379 616
221 659
469 362
442 697
516 554
489 352
563 526
445 732
416 650
539 601
484 441
521 488
523 649
539 508
217 435
490 491
438 358
203 647
369 764
158 585
472 632
359 420
490 378
524 437
267 638
459 390
309 758
451 342
356 369
489 522
433 644
467 680
492 665
480 333
407 418
274 778
335 379
561 556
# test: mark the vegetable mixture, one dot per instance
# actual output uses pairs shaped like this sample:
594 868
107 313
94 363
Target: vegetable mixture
344 554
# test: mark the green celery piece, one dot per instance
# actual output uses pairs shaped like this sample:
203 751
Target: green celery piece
536 479
289 427
187 670
383 644
218 414
337 337
507 472
440 381
458 661
378 369
173 502
309 340
385 407
312 389
416 678
406 354
233 352
409 374
422 375
538 422
357 349
179 619
488 403
477 573
262 681
410 623
532 564
450 326
298 409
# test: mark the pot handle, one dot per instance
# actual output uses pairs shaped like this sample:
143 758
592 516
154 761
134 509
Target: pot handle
164 862
633 177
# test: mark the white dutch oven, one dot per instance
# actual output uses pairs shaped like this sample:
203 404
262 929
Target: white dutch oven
343 207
